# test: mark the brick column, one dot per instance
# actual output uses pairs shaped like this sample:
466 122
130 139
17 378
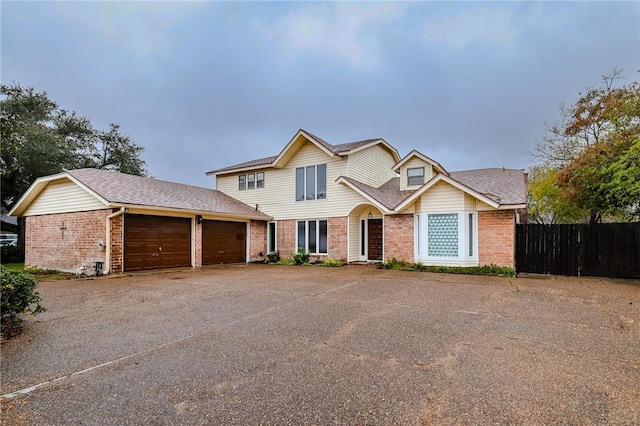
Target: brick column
497 238
198 244
338 238
398 237
286 230
258 237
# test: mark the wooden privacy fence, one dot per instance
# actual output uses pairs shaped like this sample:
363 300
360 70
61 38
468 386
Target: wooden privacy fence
601 250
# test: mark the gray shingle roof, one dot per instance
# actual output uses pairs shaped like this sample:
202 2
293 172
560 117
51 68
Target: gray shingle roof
121 188
506 186
388 194
336 149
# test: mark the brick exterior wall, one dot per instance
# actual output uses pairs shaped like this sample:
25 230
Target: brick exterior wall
286 231
338 238
117 244
398 237
66 241
197 263
258 241
497 238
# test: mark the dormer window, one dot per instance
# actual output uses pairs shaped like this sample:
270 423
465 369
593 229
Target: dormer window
415 176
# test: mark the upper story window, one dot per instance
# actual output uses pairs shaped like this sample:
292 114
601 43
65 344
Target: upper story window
251 181
311 182
415 176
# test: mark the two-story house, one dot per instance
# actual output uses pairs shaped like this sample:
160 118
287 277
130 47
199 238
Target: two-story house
356 202
360 201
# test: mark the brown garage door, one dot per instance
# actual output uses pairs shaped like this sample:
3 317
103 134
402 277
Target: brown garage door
223 242
154 242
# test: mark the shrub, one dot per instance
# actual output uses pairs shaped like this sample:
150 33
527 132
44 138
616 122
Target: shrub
273 257
18 297
492 270
286 261
332 262
301 257
11 254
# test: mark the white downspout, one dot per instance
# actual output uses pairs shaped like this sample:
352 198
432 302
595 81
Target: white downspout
107 266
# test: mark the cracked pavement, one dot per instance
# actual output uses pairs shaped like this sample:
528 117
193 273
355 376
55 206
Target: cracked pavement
266 344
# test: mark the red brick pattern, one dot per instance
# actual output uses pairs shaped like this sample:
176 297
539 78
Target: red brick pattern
258 238
398 237
117 244
497 238
66 241
286 230
198 244
338 238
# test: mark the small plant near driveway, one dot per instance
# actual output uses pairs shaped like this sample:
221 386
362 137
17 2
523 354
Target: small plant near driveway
301 257
18 297
489 270
332 262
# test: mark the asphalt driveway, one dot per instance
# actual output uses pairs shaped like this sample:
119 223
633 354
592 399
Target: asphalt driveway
262 344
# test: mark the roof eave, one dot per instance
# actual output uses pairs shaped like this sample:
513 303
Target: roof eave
261 217
394 152
276 162
384 209
441 177
239 169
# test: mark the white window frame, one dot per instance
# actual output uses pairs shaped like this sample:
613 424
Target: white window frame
421 238
275 237
421 176
304 182
306 237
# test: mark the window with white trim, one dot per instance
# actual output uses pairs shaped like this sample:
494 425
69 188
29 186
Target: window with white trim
311 182
272 237
251 181
415 176
313 236
450 236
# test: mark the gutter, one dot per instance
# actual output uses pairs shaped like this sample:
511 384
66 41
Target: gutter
107 266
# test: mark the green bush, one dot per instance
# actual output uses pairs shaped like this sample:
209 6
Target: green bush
490 270
11 254
301 257
332 262
286 261
18 297
273 257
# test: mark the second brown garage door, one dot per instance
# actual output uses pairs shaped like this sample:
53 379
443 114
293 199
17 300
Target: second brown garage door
223 242
155 242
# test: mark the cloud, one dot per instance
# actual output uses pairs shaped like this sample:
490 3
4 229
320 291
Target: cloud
470 26
138 27
349 31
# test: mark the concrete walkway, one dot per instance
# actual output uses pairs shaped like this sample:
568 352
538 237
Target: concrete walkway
262 344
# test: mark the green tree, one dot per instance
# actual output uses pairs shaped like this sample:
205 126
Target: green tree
39 138
593 148
546 206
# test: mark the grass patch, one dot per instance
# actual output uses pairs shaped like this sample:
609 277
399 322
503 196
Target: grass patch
488 270
285 261
19 267
332 263
50 274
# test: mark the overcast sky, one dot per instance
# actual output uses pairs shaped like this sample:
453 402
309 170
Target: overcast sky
206 85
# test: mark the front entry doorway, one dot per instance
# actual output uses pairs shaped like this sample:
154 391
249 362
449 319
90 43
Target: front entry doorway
374 239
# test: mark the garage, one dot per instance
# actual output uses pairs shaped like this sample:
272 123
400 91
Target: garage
156 242
223 242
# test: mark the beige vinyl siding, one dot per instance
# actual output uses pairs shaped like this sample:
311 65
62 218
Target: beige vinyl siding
372 166
415 162
354 239
469 202
277 198
63 197
443 197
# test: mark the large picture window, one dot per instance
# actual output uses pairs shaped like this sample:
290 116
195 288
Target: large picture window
313 235
311 182
450 237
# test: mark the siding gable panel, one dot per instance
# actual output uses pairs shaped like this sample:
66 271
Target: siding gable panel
63 197
372 166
